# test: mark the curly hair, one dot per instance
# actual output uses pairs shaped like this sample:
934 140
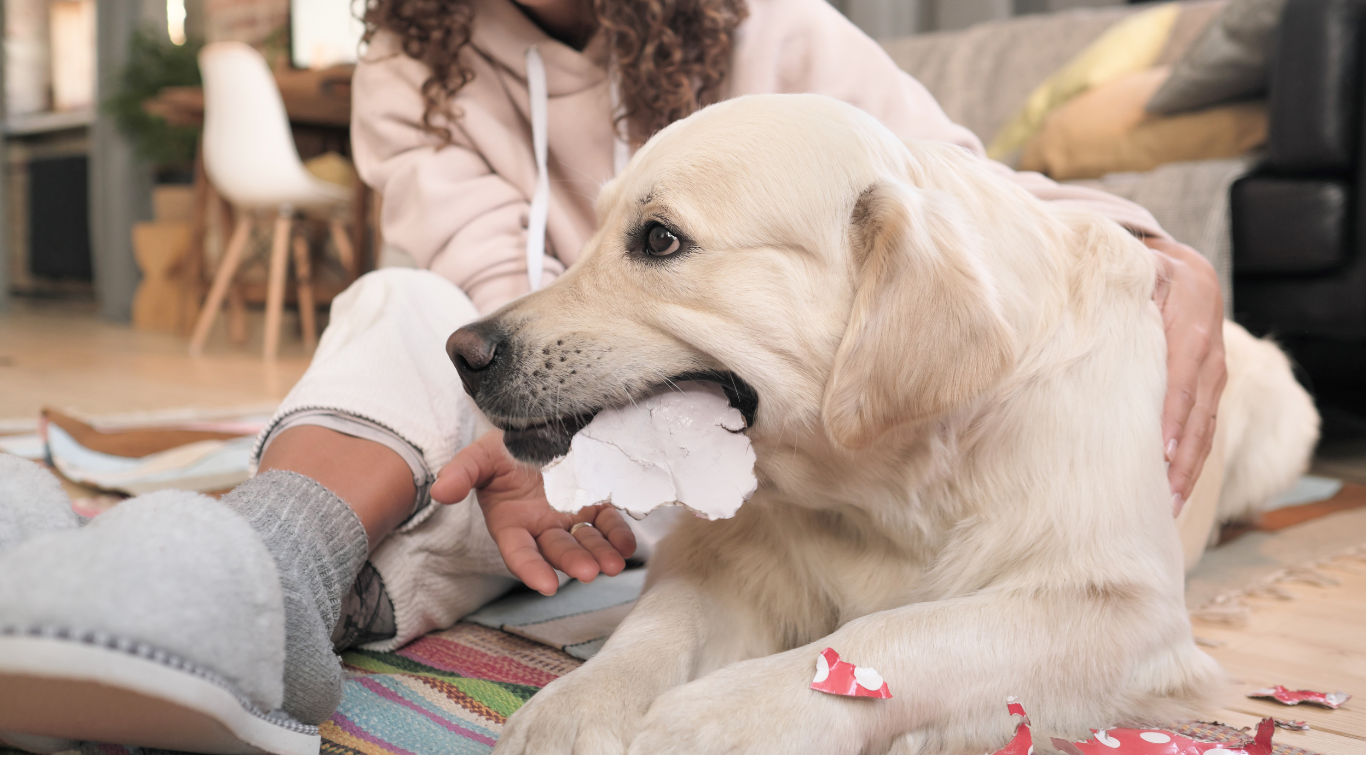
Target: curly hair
671 55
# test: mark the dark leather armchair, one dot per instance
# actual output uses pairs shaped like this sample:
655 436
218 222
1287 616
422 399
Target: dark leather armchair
1299 219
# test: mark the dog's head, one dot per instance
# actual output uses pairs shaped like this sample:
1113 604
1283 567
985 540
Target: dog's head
778 245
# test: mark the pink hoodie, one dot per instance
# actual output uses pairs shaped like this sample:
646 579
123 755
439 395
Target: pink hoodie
465 210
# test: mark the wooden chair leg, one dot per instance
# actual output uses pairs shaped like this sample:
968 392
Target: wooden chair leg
275 288
303 274
347 254
232 258
192 268
237 315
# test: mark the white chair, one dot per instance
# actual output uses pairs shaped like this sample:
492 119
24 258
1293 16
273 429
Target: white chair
250 158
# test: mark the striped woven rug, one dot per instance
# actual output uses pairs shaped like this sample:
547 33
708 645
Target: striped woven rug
447 693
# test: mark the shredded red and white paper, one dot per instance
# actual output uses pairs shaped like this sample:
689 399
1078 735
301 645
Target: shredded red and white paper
845 679
1292 725
1137 741
1023 743
1286 696
681 447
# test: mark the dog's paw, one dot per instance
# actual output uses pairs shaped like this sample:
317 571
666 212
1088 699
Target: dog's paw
762 705
589 711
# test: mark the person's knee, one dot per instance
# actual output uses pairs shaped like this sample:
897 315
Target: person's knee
397 291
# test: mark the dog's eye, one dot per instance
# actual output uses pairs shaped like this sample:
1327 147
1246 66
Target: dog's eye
659 241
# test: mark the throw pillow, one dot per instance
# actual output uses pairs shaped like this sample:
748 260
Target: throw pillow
1132 45
1106 130
1194 19
1227 63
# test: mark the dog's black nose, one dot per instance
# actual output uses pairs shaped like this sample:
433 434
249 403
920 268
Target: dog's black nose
473 349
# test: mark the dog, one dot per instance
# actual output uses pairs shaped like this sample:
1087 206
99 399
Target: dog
954 395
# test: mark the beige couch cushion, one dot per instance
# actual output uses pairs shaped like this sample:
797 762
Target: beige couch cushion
1107 130
1131 45
982 75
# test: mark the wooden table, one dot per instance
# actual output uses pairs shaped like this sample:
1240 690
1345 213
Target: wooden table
312 99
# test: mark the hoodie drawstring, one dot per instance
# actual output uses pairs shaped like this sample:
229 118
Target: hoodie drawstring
621 151
540 199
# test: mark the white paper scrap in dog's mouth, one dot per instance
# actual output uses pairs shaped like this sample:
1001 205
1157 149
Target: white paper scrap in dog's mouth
679 447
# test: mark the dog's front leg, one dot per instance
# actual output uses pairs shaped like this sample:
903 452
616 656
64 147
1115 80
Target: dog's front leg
1075 657
598 707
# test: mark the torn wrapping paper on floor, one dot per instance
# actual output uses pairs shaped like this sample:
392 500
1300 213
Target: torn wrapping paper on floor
1023 743
1286 696
1137 741
845 679
680 447
1142 741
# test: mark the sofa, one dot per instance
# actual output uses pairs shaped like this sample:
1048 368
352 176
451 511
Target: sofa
1280 224
1299 218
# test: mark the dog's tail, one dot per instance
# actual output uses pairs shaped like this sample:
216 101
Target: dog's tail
1270 424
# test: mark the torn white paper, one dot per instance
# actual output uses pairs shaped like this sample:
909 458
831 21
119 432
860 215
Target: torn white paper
680 447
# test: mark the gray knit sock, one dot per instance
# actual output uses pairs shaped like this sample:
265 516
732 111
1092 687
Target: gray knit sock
319 546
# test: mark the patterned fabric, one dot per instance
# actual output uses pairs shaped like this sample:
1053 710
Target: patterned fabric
367 613
446 693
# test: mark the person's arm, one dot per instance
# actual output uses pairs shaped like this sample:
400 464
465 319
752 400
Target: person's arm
442 204
806 46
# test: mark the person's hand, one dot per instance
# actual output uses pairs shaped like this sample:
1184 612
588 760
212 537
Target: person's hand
1193 317
531 535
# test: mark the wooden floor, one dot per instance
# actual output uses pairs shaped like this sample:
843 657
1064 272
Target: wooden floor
60 353
1316 642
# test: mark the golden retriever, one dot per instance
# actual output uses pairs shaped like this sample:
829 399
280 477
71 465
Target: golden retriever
953 392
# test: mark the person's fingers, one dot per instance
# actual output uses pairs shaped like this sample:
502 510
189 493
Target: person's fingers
608 559
1190 343
473 467
524 559
565 552
1194 448
612 525
1185 354
1190 459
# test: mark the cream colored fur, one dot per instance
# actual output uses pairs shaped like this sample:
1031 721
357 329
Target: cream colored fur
961 470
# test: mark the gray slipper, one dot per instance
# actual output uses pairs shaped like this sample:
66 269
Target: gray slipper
159 624
31 502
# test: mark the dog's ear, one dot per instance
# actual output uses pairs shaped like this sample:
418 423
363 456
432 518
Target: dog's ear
925 334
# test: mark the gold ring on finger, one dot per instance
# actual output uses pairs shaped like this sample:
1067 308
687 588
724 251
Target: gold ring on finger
577 526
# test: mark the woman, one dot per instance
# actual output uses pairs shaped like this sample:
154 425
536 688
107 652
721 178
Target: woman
488 126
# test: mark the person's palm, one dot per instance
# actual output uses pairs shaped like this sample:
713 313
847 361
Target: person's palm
531 535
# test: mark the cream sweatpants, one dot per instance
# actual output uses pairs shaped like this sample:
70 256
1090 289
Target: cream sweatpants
382 362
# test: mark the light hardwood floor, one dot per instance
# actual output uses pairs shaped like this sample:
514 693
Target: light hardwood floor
60 353
1316 642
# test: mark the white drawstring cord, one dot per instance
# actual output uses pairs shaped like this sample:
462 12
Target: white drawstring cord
540 200
621 151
